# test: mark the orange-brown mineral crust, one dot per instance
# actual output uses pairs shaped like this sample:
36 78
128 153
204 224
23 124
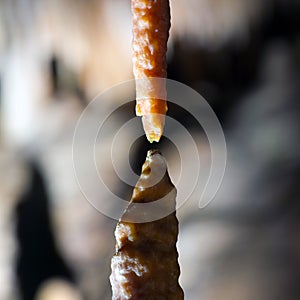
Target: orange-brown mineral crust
151 24
145 265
